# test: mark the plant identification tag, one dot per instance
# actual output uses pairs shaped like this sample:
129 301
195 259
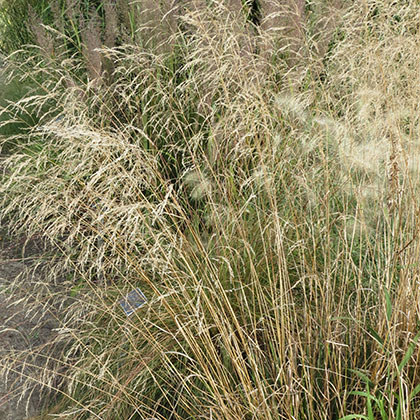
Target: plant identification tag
133 301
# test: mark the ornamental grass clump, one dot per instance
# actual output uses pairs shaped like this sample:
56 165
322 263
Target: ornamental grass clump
265 209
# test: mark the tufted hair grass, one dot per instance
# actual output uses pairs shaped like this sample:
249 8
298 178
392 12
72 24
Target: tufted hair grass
266 209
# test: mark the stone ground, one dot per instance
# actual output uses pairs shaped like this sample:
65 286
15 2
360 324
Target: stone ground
18 333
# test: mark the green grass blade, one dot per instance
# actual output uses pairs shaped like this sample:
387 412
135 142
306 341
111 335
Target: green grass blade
388 305
376 336
409 353
415 391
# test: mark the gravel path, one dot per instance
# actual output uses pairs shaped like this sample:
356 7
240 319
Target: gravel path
18 333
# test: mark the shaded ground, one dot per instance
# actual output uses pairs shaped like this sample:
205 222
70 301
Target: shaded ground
21 336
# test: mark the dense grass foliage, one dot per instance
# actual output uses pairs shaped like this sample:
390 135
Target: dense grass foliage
256 178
